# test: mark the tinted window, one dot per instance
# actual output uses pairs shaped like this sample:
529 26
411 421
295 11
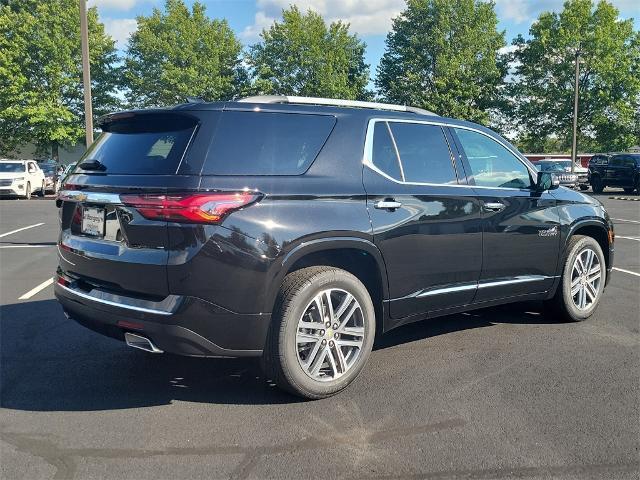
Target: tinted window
616 161
384 153
12 167
492 165
424 153
143 144
248 143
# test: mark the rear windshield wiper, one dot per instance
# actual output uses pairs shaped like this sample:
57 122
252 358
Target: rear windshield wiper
93 164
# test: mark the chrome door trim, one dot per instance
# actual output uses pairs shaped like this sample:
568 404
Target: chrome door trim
514 280
475 285
367 157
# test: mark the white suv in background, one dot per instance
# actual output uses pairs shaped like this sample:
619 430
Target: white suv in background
20 178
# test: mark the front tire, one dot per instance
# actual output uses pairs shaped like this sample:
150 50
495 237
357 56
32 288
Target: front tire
582 283
27 192
596 184
321 334
629 190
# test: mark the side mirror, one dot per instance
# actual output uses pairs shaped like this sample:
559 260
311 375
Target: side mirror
547 181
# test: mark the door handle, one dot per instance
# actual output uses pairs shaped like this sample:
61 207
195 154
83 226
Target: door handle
387 205
494 206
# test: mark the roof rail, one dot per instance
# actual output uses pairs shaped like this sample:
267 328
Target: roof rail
333 102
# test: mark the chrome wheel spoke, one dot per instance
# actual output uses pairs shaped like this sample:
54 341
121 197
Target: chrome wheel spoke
326 353
332 362
352 331
307 338
586 275
317 362
342 362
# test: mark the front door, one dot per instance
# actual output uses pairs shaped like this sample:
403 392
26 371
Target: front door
521 233
425 223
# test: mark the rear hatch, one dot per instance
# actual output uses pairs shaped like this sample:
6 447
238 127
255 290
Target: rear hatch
107 241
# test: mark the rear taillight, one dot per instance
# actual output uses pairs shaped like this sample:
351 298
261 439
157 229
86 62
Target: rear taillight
189 208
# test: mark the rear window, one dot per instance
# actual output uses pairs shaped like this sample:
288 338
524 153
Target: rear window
151 144
252 143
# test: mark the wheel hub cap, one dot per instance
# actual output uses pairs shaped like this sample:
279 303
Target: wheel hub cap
330 335
586 279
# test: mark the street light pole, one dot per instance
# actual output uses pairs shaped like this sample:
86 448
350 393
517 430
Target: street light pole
86 73
574 143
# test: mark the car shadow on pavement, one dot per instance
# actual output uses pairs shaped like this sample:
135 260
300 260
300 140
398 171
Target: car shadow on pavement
50 363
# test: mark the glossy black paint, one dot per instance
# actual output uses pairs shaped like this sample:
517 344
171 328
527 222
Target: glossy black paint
621 170
228 275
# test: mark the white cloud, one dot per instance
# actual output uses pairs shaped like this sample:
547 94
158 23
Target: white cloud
367 17
115 4
508 49
120 29
520 11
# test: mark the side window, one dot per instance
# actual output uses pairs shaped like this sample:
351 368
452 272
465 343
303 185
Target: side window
383 154
629 162
492 165
424 153
616 161
32 168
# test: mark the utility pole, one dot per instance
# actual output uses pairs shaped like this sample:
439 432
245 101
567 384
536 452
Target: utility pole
574 143
86 73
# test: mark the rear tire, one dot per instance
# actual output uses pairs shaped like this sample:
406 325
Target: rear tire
629 190
43 190
582 283
305 353
596 184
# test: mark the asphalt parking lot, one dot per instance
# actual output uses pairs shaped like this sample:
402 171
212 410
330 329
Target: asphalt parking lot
499 393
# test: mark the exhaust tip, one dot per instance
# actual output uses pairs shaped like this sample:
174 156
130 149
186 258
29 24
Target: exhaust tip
140 342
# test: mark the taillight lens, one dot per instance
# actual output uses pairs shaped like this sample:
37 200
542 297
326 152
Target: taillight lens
189 208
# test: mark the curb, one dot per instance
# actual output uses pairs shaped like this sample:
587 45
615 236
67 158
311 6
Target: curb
628 199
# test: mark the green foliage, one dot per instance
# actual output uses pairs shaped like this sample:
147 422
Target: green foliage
303 56
609 82
41 96
180 53
442 55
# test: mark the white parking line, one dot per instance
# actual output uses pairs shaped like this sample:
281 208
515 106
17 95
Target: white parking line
628 238
37 289
37 246
626 271
625 220
21 229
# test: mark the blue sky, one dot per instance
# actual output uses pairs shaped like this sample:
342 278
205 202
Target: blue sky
371 19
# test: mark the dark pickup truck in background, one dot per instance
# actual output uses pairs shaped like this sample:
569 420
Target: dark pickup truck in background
615 170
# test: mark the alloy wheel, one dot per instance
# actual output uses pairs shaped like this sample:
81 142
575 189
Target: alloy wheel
586 279
330 335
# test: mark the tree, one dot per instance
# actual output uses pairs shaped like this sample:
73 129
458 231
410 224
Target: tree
443 55
181 53
41 96
303 56
608 50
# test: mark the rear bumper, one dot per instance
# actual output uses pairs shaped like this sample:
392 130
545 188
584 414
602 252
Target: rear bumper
180 325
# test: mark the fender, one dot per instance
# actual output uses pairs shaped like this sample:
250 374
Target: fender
282 265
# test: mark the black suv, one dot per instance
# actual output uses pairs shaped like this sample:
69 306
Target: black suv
620 170
298 229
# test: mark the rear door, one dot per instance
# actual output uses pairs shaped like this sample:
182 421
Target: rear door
425 223
521 239
106 244
614 171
